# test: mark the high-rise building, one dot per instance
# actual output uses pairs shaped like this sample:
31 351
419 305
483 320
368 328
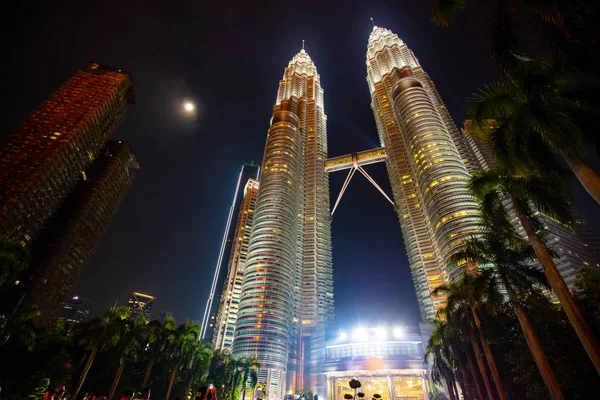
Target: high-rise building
74 231
575 245
427 162
140 304
43 159
232 289
77 309
287 289
248 171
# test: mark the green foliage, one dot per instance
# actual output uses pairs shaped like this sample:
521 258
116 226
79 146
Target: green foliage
39 391
14 259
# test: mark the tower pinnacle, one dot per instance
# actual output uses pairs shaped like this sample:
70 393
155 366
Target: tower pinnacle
372 22
302 44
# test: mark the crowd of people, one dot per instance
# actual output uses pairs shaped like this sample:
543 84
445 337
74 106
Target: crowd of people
59 393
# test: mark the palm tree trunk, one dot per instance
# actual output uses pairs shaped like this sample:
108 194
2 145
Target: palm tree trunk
148 371
538 354
113 388
556 281
86 369
172 379
482 369
474 375
188 387
490 357
464 382
586 176
451 388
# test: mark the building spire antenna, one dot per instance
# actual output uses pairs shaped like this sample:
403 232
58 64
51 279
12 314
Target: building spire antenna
302 44
373 22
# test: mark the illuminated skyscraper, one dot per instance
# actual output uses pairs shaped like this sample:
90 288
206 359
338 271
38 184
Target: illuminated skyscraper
76 309
287 290
232 289
248 171
74 231
427 162
140 304
44 158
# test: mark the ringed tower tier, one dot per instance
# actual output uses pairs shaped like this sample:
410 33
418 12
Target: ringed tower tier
427 162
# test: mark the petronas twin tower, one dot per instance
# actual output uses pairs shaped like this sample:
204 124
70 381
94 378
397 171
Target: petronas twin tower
286 299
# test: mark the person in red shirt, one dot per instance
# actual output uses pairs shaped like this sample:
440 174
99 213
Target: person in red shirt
127 395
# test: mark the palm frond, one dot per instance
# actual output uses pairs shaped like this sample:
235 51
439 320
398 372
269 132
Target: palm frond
445 12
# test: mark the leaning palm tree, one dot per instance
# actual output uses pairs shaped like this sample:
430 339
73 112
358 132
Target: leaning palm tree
511 268
182 344
131 336
470 294
159 336
98 334
490 188
539 118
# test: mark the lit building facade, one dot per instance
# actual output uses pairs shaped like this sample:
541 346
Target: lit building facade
74 231
287 290
232 289
387 361
428 165
140 304
575 245
42 161
248 171
76 309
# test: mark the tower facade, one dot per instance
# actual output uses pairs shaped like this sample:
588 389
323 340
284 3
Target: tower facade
248 171
232 289
427 162
44 158
287 290
73 233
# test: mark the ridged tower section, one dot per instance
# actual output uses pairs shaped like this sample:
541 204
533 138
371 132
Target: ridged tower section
428 164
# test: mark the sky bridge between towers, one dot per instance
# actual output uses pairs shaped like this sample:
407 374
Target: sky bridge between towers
355 162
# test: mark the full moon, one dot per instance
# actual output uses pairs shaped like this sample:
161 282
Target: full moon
188 106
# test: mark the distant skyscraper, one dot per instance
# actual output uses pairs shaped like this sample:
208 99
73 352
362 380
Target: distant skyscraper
232 289
287 290
140 304
73 232
427 162
576 246
76 309
248 171
44 158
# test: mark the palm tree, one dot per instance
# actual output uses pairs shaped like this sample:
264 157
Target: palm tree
509 266
180 346
159 336
19 326
98 334
250 368
443 359
489 187
131 336
565 23
14 259
538 117
197 364
471 293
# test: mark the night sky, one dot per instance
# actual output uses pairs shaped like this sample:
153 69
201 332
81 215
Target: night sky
228 58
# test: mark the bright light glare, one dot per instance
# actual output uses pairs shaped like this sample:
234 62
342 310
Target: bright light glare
360 334
189 106
343 336
398 332
381 333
